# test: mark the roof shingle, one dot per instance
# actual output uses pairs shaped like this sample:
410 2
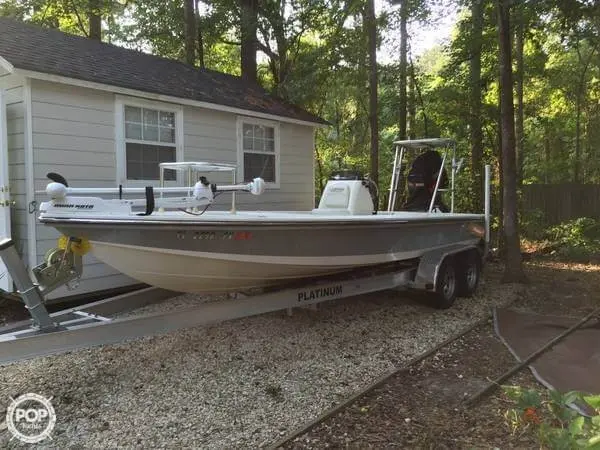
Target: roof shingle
30 47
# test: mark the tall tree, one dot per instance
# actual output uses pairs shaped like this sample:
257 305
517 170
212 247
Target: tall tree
248 26
519 75
580 100
189 17
513 271
95 20
475 126
199 37
411 121
403 96
371 26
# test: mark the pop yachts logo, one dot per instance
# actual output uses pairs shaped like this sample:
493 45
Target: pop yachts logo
31 418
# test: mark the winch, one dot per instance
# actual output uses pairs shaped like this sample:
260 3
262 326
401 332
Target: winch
62 265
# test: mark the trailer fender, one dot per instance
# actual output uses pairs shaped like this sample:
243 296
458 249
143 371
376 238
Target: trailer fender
429 265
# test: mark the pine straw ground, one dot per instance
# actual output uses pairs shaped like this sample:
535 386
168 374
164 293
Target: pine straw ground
424 407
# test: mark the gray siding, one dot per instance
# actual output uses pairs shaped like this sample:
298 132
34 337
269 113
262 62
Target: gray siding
15 128
212 136
73 134
297 159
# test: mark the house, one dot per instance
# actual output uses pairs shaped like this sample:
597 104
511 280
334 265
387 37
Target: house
104 116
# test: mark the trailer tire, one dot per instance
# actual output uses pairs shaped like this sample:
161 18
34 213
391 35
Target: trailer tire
446 284
469 274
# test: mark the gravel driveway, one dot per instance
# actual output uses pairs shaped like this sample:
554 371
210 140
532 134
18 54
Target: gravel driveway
238 384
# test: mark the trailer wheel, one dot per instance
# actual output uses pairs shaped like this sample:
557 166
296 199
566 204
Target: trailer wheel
446 284
469 274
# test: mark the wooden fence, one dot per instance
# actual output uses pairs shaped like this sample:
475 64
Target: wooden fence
562 202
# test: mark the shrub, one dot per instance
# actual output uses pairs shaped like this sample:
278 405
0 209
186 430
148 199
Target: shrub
556 424
533 224
577 239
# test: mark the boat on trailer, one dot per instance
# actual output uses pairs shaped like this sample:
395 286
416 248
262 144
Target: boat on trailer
172 238
182 244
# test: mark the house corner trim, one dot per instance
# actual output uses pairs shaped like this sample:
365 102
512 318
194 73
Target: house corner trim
29 180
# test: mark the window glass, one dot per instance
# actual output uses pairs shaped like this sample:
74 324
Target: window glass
149 140
167 135
167 119
259 165
143 160
270 145
150 117
258 144
133 131
133 114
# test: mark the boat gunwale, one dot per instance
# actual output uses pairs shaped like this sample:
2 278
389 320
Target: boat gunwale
259 222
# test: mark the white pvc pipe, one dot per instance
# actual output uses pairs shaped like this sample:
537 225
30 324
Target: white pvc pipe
437 182
393 182
115 191
487 194
142 190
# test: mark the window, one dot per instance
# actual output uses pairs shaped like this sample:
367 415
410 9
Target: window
150 138
259 150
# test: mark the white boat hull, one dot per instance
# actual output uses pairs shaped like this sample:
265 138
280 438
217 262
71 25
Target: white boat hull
189 271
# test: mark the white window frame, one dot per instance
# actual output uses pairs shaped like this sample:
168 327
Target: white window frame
121 153
241 120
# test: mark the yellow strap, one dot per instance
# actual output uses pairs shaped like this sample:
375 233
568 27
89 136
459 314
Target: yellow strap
79 247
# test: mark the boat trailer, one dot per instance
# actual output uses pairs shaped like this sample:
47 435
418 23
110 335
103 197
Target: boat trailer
94 324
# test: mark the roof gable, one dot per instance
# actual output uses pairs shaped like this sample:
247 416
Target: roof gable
37 49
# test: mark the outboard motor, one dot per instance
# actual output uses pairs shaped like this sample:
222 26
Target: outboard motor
349 192
421 181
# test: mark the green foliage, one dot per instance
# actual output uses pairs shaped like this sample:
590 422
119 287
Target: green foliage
533 224
577 239
557 425
313 53
71 16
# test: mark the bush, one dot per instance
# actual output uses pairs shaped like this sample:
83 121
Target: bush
577 239
533 224
556 424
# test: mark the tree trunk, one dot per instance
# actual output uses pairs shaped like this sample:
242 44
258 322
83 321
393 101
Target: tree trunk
501 246
95 19
520 67
581 91
547 157
513 268
577 168
372 45
189 17
403 71
200 39
411 125
249 18
417 90
475 100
